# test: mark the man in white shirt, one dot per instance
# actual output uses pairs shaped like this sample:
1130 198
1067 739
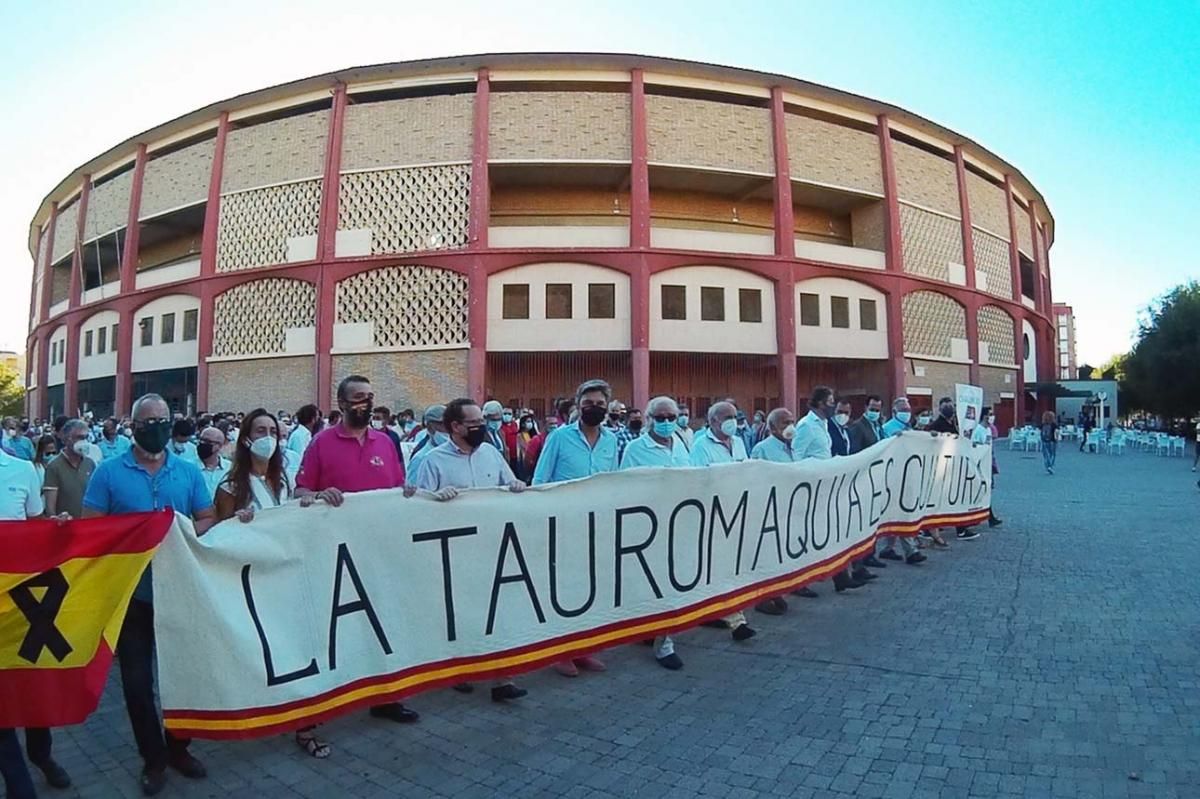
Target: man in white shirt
20 499
465 462
716 444
213 466
659 446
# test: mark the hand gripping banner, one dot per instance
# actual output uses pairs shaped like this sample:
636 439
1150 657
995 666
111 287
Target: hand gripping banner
307 613
63 594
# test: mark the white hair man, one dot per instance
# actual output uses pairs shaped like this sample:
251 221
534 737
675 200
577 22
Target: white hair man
659 446
900 421
493 418
719 443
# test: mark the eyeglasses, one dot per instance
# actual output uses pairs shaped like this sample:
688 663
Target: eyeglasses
664 417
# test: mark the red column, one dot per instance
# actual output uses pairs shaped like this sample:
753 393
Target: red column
208 261
480 216
129 257
785 337
43 374
47 274
1039 298
1019 392
123 401
326 315
1014 260
639 320
639 176
972 314
785 224
34 307
76 290
894 255
964 211
71 383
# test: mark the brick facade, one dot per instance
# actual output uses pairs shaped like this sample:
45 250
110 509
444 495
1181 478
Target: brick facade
108 206
938 377
271 383
926 179
178 178
579 126
406 379
418 130
995 381
824 152
292 148
709 134
989 208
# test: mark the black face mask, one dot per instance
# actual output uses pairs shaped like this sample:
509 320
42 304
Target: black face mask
592 415
635 425
205 450
475 435
948 411
152 436
359 415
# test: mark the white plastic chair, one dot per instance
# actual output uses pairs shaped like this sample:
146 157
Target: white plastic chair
1178 447
1016 438
1033 439
1163 444
1116 444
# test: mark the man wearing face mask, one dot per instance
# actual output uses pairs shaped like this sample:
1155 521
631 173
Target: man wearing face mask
435 435
181 441
347 458
685 433
213 466
865 432
149 477
580 449
947 423
67 476
842 446
616 417
812 438
493 414
112 444
777 448
719 443
745 432
381 418
631 430
659 447
900 421
15 443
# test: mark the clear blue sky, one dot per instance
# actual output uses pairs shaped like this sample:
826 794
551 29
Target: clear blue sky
1098 104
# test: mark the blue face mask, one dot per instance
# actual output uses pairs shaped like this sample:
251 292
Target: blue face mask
493 424
440 438
872 416
507 418
682 421
903 417
664 429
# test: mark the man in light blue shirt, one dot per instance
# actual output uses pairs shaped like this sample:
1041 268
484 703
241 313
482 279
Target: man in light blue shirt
777 446
812 432
580 449
717 444
583 447
901 420
111 443
659 446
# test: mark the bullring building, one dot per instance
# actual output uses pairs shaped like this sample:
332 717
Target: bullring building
507 225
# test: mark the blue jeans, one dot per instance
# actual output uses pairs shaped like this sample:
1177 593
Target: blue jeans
1049 453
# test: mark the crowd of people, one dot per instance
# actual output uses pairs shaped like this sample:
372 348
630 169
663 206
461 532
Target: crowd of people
235 465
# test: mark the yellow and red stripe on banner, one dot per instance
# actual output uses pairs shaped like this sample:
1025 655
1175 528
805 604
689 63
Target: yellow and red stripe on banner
377 689
63 594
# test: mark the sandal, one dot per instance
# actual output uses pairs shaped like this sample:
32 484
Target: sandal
309 742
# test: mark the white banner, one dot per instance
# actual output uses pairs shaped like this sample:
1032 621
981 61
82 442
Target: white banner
306 613
968 404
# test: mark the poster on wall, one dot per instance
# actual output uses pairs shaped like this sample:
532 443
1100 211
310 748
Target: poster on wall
968 400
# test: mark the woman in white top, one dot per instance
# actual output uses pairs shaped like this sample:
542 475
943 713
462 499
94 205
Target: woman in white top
985 433
258 481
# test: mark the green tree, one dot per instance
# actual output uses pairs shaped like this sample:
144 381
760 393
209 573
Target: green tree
1162 369
12 392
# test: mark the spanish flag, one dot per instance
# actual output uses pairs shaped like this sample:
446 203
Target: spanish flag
63 594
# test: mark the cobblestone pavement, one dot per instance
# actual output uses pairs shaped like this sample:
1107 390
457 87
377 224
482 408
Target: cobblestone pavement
1055 656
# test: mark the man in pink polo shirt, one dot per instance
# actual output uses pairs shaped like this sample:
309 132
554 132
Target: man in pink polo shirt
347 458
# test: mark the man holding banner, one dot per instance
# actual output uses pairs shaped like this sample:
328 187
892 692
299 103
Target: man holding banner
147 478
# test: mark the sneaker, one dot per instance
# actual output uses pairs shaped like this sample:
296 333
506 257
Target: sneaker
671 661
503 693
926 534
915 558
890 554
743 632
966 535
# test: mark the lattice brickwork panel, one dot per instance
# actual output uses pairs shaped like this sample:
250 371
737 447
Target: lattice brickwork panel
66 228
926 179
412 307
177 179
560 126
43 245
996 330
707 133
991 257
408 210
929 242
930 321
418 130
108 206
272 152
827 153
1024 235
989 207
253 318
1045 252
255 225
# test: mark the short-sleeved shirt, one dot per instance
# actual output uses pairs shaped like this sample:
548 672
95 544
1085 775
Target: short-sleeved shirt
336 458
19 446
299 439
70 483
812 438
186 451
20 489
707 450
122 485
111 449
447 465
567 455
774 449
894 427
213 477
646 451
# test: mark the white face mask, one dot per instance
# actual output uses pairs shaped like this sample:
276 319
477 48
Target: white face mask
729 427
263 448
842 419
789 432
232 435
80 447
376 424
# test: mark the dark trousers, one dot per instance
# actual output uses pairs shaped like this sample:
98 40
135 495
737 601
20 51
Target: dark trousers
135 652
17 782
37 745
